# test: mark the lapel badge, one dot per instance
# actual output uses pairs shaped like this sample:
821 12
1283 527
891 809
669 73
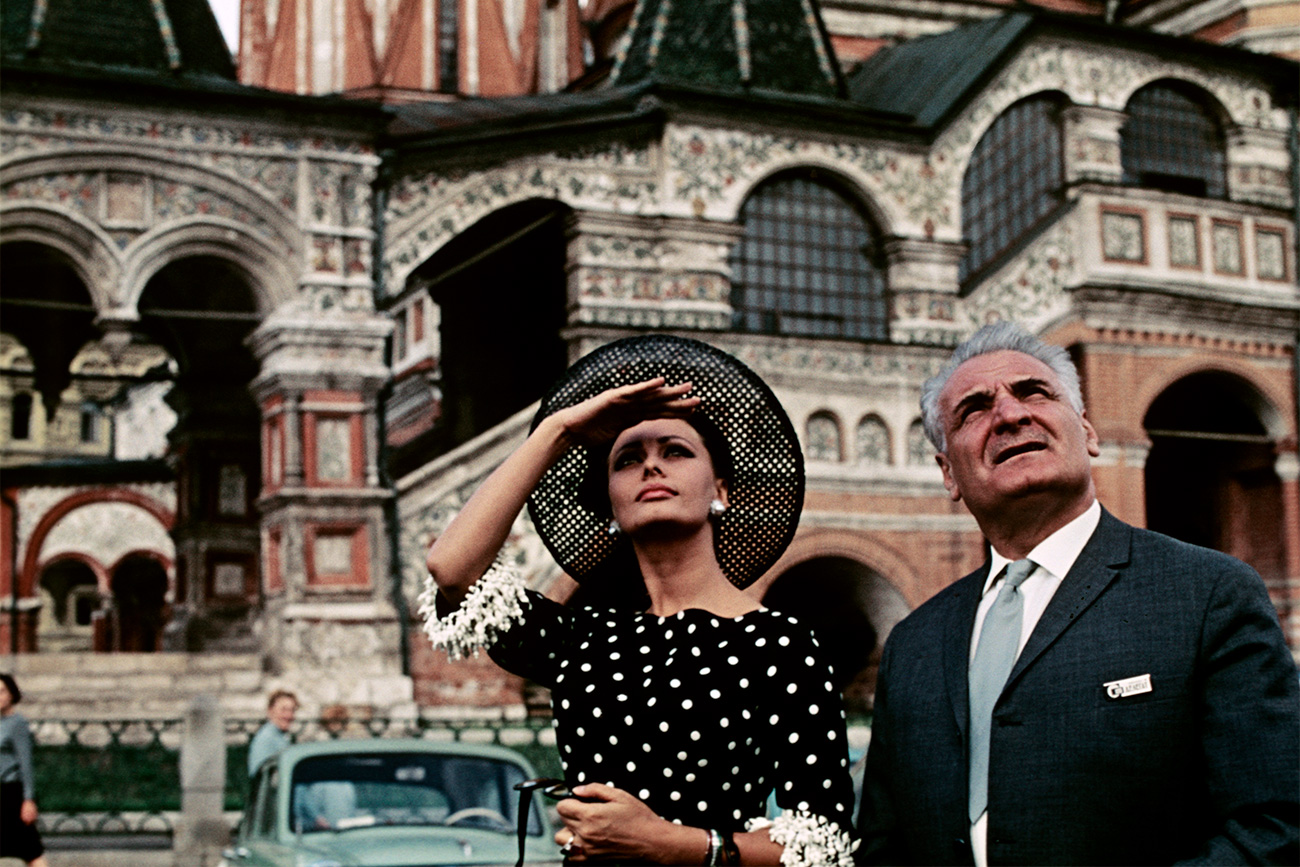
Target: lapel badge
1128 686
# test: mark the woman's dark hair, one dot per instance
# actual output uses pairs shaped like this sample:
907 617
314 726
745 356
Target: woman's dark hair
15 693
594 490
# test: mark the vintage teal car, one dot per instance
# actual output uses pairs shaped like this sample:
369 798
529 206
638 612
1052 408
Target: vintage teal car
388 803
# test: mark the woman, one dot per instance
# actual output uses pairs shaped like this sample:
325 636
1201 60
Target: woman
18 835
680 702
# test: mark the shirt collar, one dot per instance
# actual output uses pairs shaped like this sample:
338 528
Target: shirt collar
1057 553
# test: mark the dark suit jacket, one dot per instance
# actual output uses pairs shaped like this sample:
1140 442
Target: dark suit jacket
1205 767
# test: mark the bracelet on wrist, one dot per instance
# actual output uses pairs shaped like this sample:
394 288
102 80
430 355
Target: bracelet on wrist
714 850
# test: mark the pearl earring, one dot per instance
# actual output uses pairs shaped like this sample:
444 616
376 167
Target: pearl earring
614 529
717 507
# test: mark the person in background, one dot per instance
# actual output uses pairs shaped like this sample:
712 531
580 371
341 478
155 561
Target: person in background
273 736
1096 693
19 837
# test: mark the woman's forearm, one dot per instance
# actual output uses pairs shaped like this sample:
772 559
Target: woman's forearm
466 548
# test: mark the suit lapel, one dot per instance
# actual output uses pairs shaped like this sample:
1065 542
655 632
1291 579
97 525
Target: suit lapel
960 620
1091 574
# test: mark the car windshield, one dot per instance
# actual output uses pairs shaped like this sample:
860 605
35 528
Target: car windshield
362 790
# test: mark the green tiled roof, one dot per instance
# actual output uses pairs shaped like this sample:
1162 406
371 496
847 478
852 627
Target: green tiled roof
778 46
157 35
926 77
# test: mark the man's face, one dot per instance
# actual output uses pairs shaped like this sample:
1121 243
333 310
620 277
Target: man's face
1012 433
282 713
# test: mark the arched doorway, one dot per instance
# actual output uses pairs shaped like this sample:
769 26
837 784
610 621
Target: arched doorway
139 587
852 609
70 597
1210 477
500 290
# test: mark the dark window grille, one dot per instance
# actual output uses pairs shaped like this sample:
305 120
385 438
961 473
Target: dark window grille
1013 181
804 264
1172 142
448 48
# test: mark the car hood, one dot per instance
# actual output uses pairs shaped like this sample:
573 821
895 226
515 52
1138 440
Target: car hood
417 847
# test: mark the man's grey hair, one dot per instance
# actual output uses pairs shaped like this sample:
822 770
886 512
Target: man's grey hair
997 337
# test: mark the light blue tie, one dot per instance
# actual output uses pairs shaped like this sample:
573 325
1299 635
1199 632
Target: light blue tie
994 657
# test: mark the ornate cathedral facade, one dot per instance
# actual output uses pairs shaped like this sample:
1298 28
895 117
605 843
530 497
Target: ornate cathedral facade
266 328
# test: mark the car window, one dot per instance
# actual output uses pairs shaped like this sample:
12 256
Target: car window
264 815
363 789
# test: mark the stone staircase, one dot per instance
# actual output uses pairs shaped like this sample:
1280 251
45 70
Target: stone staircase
137 685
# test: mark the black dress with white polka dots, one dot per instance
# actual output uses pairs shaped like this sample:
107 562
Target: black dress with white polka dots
700 716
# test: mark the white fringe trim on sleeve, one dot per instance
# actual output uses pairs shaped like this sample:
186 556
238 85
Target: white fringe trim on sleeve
809 840
494 603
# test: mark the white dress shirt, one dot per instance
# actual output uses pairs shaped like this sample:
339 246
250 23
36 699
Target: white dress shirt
1054 556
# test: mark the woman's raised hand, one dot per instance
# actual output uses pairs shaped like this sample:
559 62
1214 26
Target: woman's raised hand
601 418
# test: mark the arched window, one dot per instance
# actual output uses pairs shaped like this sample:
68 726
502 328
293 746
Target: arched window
804 264
873 442
20 416
823 437
1173 142
919 451
1013 181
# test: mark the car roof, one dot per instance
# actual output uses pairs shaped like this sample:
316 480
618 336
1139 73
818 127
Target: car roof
351 746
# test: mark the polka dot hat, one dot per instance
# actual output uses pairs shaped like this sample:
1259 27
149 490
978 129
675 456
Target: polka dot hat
767 481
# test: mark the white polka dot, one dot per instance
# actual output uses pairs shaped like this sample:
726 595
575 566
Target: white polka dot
631 766
598 758
703 763
646 747
774 719
726 787
794 737
591 687
695 651
810 660
651 702
695 736
596 712
803 805
731 746
792 688
724 722
783 641
663 726
681 756
690 778
675 683
586 666
668 772
771 671
735 813
760 642
749 787
687 704
812 708
643 794
621 697
565 704
645 649
616 655
826 784
702 806
676 796
731 660
705 670
831 734
713 693
812 760
789 785
582 733
744 683
618 675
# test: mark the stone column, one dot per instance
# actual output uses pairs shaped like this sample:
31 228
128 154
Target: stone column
1091 144
201 830
329 627
627 271
923 286
1258 166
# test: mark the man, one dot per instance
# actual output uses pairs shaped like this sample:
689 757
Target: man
1118 698
273 736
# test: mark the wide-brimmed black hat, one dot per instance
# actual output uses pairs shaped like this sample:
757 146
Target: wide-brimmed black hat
766 478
